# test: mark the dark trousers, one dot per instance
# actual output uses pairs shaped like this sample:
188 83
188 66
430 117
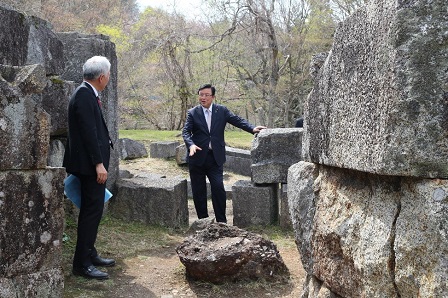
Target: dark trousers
214 173
90 213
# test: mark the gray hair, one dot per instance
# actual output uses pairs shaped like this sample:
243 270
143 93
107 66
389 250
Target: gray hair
94 67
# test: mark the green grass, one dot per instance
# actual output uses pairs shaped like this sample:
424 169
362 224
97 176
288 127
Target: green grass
234 138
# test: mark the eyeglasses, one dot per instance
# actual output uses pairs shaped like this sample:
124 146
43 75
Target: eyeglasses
204 95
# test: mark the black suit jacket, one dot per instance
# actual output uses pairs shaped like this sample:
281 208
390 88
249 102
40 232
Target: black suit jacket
195 132
88 141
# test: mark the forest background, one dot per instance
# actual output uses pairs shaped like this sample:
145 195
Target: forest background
256 52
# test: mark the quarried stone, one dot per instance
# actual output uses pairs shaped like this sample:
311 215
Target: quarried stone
181 154
284 219
31 221
421 239
28 79
221 253
367 235
29 40
301 203
152 201
273 152
56 154
54 100
130 149
379 104
78 48
24 131
163 149
42 284
254 204
238 161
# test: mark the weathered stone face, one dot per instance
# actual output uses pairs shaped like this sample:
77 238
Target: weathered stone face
273 152
379 103
421 241
31 221
54 100
16 38
130 149
367 235
24 131
152 200
222 253
29 40
254 205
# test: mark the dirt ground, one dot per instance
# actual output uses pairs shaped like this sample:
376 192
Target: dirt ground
159 273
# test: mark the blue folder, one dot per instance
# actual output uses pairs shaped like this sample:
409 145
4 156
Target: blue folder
72 190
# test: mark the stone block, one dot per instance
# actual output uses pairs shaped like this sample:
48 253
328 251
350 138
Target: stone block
54 100
254 205
24 131
42 284
181 154
301 199
29 79
163 149
273 152
31 223
284 219
351 226
130 149
29 40
421 243
14 33
152 201
56 154
379 103
238 161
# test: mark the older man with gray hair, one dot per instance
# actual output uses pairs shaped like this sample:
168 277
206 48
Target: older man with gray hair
87 157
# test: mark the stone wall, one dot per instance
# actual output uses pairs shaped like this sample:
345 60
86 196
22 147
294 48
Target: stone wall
369 204
34 96
30 193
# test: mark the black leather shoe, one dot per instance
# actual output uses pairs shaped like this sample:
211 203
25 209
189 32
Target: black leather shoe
90 272
99 261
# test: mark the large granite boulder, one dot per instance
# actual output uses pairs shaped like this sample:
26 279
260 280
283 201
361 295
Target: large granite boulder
366 235
379 103
221 253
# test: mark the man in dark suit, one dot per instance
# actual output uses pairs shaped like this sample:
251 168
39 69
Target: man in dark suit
87 156
203 134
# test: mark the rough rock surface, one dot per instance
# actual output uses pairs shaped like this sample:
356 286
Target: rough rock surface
222 253
379 103
273 152
130 149
366 235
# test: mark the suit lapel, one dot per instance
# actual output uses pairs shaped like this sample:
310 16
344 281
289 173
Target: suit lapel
214 115
202 117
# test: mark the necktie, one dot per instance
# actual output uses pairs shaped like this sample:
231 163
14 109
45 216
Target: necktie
208 118
99 101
